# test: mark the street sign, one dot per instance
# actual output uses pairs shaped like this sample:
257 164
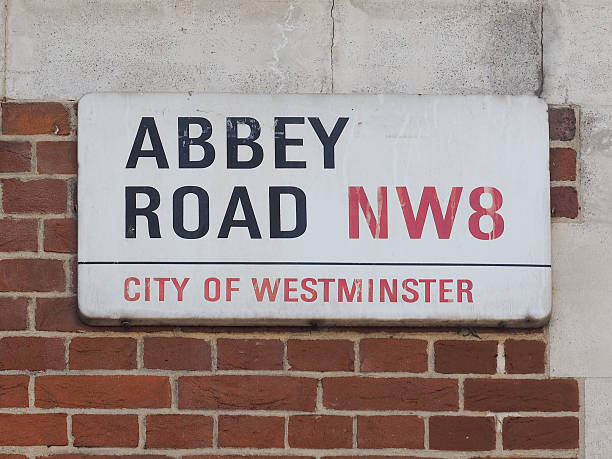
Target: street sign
313 209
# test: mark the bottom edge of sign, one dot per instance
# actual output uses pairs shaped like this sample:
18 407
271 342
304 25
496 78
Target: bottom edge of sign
523 322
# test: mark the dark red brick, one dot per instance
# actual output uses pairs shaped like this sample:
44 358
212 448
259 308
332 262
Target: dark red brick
321 355
177 353
358 393
37 195
562 164
462 433
249 392
459 356
564 202
252 431
525 356
375 432
249 354
561 123
386 354
56 157
61 235
521 395
320 432
15 156
179 431
17 235
541 433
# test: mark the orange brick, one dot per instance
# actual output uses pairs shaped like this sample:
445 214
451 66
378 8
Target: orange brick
104 430
102 353
33 430
35 118
102 391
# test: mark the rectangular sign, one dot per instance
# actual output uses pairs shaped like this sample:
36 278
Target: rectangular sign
313 209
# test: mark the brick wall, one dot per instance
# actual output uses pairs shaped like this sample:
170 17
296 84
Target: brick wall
71 390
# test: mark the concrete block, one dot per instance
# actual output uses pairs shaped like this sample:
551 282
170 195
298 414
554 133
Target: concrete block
577 66
66 48
598 405
441 47
580 338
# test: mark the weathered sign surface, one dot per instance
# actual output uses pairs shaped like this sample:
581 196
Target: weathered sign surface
300 209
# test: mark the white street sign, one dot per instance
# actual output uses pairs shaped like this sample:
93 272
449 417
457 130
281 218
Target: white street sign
303 209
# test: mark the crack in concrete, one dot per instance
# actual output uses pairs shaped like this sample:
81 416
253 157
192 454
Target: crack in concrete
283 29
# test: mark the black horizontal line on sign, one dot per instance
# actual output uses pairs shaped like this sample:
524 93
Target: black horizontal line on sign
309 263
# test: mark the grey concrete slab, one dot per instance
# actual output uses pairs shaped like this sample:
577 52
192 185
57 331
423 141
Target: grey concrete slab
66 48
437 47
580 337
598 409
577 60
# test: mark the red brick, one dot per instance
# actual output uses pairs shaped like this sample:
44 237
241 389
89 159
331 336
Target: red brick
177 354
12 456
252 431
14 313
457 356
561 123
35 118
564 202
18 235
321 355
377 457
14 391
15 156
102 353
385 354
32 275
249 354
319 432
31 353
541 433
33 429
390 432
38 195
59 314
248 392
461 433
243 457
521 395
89 391
61 235
105 430
358 393
179 431
56 157
525 356
562 164
102 456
